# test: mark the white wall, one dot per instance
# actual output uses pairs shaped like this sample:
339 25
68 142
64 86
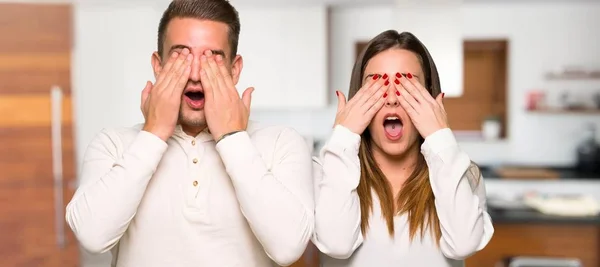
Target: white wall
541 36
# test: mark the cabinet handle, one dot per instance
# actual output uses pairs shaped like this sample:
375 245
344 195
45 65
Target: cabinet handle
57 170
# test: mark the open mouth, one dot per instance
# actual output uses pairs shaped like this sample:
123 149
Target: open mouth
392 125
195 96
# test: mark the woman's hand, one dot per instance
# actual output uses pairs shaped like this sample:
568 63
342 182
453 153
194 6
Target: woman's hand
427 114
358 112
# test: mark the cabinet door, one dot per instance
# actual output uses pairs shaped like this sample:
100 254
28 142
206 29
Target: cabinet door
285 56
36 136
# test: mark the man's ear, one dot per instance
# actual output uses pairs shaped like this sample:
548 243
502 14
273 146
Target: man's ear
156 64
236 68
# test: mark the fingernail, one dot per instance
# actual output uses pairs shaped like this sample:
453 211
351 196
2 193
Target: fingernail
398 75
409 75
385 76
397 93
337 93
375 77
384 95
396 81
386 83
443 94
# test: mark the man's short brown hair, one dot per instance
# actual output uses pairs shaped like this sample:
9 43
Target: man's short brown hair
213 10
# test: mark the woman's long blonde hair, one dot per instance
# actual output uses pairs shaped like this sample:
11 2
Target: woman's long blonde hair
416 196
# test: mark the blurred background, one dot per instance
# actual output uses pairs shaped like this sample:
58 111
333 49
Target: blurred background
522 84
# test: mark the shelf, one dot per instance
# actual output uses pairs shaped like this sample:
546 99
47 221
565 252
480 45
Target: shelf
573 76
566 111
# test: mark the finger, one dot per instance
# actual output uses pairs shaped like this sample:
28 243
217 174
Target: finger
369 88
368 92
247 97
163 72
175 71
217 77
206 84
341 101
375 108
412 89
410 110
440 100
408 98
179 72
224 72
145 94
380 94
181 81
213 73
209 79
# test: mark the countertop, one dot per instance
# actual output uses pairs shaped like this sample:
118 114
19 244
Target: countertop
489 172
534 217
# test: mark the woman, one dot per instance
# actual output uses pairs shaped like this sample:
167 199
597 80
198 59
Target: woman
393 187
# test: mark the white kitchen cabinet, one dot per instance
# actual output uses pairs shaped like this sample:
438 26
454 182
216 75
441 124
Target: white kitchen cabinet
285 56
438 24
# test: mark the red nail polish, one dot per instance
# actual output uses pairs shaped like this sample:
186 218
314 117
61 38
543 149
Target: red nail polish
409 75
397 93
398 75
385 76
384 95
396 81
386 83
443 94
337 93
375 77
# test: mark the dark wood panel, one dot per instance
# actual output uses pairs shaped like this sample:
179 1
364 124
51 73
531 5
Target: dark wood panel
35 28
485 89
34 81
573 241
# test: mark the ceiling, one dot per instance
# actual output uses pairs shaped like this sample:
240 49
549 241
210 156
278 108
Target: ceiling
293 2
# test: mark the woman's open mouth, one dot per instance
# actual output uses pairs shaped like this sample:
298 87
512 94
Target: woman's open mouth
392 126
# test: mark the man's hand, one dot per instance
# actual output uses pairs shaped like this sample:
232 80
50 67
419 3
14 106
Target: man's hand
161 102
225 111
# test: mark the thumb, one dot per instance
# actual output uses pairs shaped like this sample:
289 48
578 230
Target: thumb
341 100
247 97
146 91
440 99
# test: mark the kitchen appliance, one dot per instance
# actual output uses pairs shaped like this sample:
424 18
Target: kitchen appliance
588 152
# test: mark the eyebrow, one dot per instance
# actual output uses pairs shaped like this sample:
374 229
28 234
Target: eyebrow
180 46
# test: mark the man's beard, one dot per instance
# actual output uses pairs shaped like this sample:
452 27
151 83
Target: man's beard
191 121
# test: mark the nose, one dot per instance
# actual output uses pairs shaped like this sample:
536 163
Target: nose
195 71
392 100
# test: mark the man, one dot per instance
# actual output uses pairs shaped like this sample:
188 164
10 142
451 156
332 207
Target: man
196 184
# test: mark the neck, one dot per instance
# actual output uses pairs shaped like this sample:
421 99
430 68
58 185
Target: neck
192 130
397 168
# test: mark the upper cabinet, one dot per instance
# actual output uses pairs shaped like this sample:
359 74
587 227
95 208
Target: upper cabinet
438 25
285 56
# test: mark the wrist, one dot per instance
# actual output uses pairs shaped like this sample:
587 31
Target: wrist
223 136
161 133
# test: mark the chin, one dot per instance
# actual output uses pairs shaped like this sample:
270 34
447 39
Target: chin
192 118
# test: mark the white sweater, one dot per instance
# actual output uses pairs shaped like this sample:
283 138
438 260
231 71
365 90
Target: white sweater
248 201
466 226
